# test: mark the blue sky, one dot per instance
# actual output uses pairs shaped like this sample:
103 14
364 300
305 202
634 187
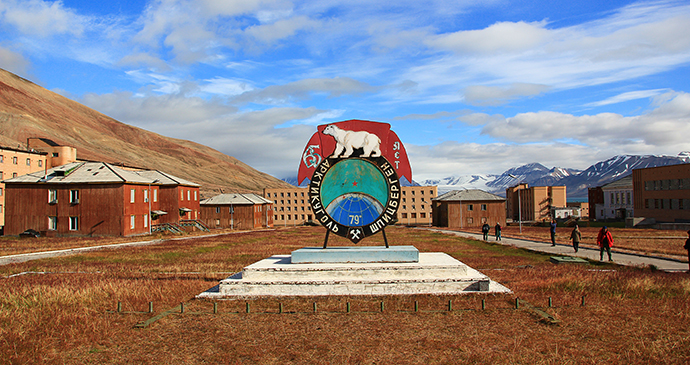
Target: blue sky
471 87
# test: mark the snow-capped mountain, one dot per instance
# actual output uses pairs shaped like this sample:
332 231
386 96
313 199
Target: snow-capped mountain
576 181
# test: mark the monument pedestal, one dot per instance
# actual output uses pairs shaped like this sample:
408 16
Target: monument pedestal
433 273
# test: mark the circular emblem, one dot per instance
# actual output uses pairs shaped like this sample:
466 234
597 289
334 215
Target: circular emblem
355 197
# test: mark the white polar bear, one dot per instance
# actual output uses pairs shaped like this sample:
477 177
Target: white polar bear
349 140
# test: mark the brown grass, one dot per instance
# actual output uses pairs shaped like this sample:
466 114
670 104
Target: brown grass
66 314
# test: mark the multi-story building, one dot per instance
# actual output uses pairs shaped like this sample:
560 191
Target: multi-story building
96 198
468 209
535 203
617 200
291 206
237 211
662 193
581 209
17 162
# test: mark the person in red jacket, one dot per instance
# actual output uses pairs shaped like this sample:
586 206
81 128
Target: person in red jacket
605 242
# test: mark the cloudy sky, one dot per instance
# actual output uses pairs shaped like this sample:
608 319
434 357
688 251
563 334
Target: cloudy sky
470 86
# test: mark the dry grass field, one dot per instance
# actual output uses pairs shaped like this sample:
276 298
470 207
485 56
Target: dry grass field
62 310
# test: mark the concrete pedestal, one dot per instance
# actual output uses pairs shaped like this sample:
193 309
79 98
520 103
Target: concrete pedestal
363 254
434 273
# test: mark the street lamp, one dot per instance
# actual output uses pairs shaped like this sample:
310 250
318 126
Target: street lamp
149 199
519 203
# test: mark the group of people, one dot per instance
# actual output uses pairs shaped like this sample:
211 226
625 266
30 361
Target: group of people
604 239
486 229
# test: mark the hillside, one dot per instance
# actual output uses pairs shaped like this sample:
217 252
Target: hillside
28 110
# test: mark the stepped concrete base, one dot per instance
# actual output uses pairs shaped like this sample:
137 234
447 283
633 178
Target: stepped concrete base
435 273
364 254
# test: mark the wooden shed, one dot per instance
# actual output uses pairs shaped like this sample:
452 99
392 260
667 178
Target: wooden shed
237 211
468 209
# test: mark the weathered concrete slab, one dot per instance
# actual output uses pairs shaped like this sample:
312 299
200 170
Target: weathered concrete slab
363 254
435 273
567 260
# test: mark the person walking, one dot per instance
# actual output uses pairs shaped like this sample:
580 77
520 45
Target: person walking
553 232
605 242
497 231
576 236
485 231
687 247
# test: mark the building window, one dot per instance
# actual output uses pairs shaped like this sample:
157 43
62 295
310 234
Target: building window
74 196
52 196
14 160
189 192
470 220
40 163
14 174
2 158
470 207
132 221
146 220
132 194
288 194
218 222
0 208
217 209
413 215
483 206
627 198
55 154
195 197
1 178
155 195
146 196
0 191
404 215
73 223
422 215
52 223
181 195
28 162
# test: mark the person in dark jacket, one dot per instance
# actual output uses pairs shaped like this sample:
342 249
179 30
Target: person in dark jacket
497 231
485 231
687 247
553 233
576 236
605 242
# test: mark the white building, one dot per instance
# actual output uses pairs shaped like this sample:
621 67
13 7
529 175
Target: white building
618 200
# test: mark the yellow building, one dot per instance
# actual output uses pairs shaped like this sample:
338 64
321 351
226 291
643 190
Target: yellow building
536 202
292 208
16 162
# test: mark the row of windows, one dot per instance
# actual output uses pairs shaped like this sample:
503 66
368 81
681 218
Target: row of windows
15 161
289 217
668 184
283 201
73 223
133 194
620 198
470 207
189 195
412 215
282 209
2 175
681 204
73 196
404 207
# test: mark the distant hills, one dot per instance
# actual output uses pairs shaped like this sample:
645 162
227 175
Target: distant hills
28 110
576 181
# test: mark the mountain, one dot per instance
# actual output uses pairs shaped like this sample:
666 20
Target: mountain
28 110
576 181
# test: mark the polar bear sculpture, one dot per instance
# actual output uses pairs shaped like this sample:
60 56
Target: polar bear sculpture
349 140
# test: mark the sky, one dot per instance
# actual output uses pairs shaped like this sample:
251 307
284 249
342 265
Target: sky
469 86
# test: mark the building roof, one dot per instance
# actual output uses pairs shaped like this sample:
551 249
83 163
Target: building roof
468 195
97 172
625 182
235 199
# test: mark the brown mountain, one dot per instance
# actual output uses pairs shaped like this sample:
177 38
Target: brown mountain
28 110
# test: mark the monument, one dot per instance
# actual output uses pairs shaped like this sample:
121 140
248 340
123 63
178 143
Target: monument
355 169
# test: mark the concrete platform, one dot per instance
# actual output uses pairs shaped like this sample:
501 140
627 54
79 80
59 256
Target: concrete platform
435 273
349 254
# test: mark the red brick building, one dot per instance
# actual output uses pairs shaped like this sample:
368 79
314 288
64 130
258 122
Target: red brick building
237 211
662 193
96 198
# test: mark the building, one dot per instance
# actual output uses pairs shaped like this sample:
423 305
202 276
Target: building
581 209
662 193
56 155
535 203
617 200
468 209
16 162
292 208
237 211
595 196
96 198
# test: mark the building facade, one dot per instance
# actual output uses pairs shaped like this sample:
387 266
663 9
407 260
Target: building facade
535 203
96 199
662 193
468 209
17 162
291 206
617 200
237 211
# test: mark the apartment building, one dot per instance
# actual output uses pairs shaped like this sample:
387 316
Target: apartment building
662 193
237 211
534 203
17 162
291 206
468 209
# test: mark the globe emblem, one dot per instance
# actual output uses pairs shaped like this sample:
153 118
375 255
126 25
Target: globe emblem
354 209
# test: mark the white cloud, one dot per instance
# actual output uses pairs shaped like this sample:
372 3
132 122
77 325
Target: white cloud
494 95
627 96
41 18
302 89
500 37
13 62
